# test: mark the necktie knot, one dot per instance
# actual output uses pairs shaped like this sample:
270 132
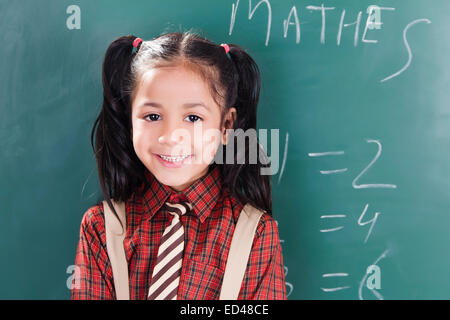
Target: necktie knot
178 208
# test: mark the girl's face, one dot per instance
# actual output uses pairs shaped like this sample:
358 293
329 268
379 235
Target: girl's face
174 114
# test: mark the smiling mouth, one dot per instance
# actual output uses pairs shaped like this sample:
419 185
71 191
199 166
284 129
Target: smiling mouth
173 159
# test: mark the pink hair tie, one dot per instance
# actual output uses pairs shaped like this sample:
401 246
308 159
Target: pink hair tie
136 42
227 48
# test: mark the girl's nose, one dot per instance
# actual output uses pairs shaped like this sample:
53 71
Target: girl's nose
171 136
170 139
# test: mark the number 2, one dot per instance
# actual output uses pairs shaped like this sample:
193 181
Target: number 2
378 185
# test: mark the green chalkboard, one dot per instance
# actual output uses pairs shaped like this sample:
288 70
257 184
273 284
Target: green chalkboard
359 101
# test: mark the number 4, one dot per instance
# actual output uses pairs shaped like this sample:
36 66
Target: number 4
372 221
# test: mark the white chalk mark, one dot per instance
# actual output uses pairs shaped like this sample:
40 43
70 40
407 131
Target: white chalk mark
377 294
369 221
234 8
322 8
287 23
407 48
333 229
341 24
284 157
269 18
378 185
333 216
288 284
339 274
330 153
336 274
84 186
333 171
370 24
334 289
361 284
321 154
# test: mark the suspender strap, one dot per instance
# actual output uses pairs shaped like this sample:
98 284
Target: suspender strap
116 251
241 244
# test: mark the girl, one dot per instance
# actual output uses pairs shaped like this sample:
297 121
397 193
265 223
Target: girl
172 88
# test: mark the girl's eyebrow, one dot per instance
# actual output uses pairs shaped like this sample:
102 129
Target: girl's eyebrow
185 105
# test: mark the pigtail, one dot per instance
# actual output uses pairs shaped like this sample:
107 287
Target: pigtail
118 166
245 180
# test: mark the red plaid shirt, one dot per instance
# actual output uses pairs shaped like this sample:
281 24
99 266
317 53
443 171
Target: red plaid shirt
208 232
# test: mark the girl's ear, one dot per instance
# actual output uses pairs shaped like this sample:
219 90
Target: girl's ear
230 117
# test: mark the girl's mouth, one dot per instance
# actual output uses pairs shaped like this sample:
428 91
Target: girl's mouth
172 162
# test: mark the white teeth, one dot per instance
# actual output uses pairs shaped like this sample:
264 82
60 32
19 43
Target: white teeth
173 159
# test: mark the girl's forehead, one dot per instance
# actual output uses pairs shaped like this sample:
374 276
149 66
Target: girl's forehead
172 82
170 73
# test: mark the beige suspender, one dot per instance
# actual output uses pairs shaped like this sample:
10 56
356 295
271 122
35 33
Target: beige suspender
237 260
114 245
240 247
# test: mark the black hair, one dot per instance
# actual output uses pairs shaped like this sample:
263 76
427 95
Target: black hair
233 81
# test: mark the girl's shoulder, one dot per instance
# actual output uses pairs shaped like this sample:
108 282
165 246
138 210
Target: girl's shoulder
267 228
266 224
93 221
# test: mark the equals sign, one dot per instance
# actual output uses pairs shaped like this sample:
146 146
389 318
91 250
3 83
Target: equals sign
342 274
330 153
333 216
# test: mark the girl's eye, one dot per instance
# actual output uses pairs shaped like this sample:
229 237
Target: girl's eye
152 114
193 115
153 117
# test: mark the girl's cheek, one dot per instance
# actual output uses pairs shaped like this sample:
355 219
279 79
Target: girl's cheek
211 141
144 141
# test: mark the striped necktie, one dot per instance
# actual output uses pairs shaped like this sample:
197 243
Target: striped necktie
167 270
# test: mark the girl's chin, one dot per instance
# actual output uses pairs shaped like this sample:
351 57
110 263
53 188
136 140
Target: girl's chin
176 178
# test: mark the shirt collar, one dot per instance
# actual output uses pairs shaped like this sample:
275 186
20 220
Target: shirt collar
203 194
